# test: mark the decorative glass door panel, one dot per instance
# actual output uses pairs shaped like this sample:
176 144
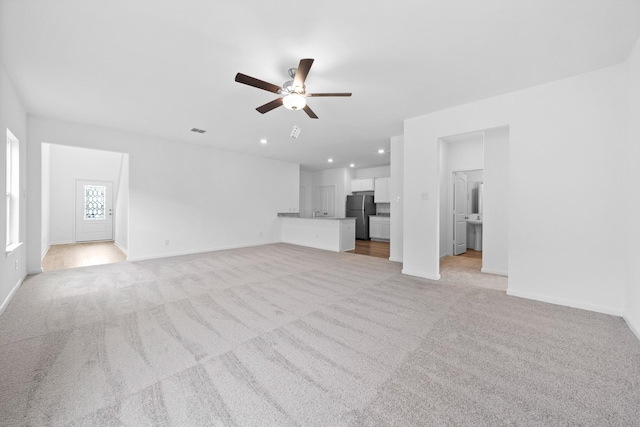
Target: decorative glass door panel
94 201
94 211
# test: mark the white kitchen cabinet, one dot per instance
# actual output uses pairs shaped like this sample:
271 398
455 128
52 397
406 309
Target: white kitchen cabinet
362 185
386 228
379 227
381 194
375 227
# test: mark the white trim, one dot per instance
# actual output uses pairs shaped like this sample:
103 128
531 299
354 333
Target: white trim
490 271
635 331
421 275
566 302
395 259
65 242
44 254
117 245
224 248
5 304
12 248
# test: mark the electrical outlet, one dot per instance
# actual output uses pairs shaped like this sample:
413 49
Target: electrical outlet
166 243
17 264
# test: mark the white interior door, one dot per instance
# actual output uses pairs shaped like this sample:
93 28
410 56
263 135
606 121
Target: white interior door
459 213
94 211
327 200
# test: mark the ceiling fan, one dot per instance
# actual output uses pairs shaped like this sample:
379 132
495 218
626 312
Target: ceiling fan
294 92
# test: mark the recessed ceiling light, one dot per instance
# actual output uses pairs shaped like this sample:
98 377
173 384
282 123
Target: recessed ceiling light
381 151
263 141
330 160
351 165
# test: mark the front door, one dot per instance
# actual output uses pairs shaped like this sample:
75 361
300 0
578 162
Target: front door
459 213
94 211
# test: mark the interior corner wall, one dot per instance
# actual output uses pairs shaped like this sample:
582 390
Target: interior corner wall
396 172
567 140
121 231
183 198
495 229
632 302
13 116
46 200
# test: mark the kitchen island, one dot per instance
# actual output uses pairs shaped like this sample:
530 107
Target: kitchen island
331 234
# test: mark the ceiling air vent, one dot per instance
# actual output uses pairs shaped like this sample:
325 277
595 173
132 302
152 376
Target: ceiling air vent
198 130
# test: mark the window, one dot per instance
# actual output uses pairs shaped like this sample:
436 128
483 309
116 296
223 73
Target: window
13 191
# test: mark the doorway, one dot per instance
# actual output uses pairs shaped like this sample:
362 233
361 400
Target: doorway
483 157
85 198
466 211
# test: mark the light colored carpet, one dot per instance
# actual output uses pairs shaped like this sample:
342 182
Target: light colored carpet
282 335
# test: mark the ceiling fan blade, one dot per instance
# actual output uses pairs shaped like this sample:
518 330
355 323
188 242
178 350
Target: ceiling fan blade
252 81
301 73
328 94
269 106
310 112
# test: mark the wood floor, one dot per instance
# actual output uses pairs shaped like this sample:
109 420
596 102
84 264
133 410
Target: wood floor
60 257
372 248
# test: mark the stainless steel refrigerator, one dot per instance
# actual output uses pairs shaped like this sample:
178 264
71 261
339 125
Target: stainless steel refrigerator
360 207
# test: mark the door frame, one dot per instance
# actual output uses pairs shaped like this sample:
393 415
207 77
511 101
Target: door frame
112 214
450 221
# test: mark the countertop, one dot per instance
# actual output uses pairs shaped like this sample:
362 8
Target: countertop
297 215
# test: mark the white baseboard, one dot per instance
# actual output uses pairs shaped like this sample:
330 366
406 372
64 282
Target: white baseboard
124 251
421 275
221 248
490 271
566 302
44 254
395 259
634 329
64 242
13 291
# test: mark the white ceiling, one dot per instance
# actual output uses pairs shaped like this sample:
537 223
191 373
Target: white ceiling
161 67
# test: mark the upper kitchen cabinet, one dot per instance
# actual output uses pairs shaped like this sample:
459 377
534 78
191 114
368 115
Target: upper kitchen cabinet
362 185
381 194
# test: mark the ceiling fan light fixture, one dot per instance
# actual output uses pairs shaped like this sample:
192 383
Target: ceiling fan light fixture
294 101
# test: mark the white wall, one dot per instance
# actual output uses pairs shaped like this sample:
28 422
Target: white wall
495 227
196 197
122 206
13 116
67 165
567 140
377 172
397 198
46 199
308 204
632 305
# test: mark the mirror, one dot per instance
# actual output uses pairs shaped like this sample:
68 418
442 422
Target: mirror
475 197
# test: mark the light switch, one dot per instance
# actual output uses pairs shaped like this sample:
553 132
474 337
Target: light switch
424 196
